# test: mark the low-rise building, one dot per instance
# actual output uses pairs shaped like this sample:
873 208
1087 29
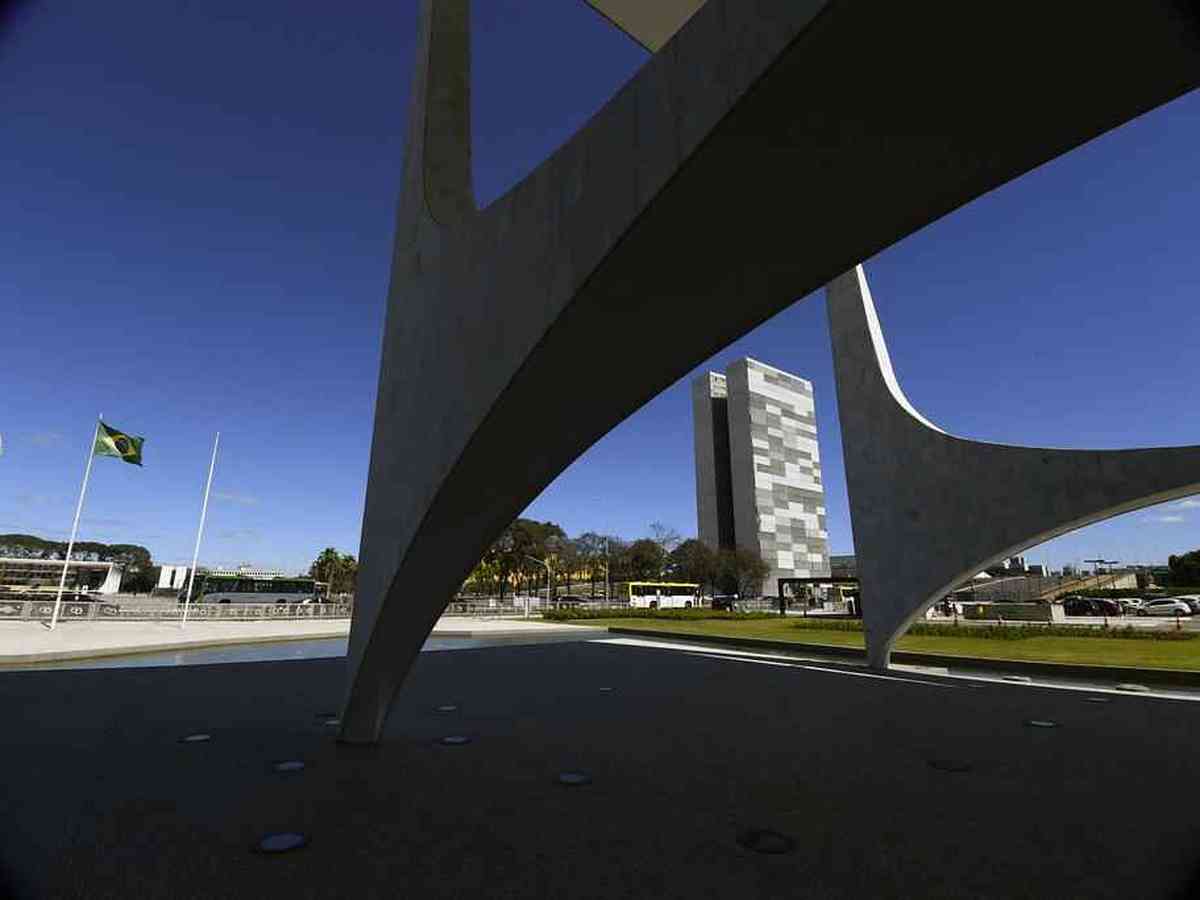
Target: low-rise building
41 576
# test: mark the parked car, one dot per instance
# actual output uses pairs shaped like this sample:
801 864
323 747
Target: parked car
1108 607
1191 600
1082 606
1165 606
568 600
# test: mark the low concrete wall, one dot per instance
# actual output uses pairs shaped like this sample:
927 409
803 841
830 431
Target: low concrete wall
89 611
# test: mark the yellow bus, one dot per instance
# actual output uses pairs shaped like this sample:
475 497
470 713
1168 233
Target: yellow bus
663 595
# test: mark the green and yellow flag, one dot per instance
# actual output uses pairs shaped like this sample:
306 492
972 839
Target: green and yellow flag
110 442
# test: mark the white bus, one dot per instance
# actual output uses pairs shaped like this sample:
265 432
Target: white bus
247 589
663 595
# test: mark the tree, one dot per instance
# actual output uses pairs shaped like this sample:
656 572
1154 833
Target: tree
338 570
618 560
1185 569
568 561
693 561
509 557
346 581
646 560
741 572
589 547
667 538
140 580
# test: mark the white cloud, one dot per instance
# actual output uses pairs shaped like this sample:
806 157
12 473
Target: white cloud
235 497
1189 503
1169 520
242 535
27 500
46 439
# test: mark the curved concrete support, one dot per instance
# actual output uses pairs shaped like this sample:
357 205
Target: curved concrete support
674 212
930 510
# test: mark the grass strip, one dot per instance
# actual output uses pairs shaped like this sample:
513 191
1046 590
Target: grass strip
1092 650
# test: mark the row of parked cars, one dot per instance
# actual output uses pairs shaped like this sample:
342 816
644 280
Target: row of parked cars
1132 606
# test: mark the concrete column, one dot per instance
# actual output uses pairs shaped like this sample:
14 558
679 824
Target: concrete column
930 510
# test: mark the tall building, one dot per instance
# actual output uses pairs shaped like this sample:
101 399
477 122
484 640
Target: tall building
758 470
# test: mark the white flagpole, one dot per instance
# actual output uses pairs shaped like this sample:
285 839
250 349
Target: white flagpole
87 473
187 601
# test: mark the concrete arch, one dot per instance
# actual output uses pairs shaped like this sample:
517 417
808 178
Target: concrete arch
673 213
930 510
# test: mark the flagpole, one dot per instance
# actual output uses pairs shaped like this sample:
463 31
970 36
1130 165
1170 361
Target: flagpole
187 601
87 473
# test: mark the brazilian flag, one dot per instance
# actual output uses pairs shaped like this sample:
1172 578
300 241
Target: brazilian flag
110 442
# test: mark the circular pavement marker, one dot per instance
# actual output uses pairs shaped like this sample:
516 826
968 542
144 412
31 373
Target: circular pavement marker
1041 723
289 765
455 740
574 778
195 738
282 842
949 765
764 840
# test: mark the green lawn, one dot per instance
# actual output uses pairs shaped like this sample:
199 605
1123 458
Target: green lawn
1086 651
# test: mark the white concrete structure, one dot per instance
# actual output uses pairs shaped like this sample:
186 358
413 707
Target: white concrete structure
665 227
20 575
649 22
929 509
172 578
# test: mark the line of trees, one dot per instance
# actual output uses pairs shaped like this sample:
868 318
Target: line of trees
529 551
338 570
1185 569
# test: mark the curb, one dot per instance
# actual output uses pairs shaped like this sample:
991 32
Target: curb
207 643
518 633
1176 677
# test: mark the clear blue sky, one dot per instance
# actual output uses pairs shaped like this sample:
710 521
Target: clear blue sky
197 202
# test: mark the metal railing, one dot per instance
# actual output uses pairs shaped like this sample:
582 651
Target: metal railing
89 611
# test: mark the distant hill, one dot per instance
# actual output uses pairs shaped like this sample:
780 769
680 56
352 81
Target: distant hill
29 546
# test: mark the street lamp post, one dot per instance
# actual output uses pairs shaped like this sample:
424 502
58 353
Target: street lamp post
542 562
606 570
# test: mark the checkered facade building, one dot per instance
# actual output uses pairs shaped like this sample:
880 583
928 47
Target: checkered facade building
758 469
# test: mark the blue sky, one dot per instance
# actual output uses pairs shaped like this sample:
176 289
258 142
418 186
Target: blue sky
198 200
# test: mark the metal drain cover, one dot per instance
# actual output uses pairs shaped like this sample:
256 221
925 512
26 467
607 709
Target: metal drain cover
282 842
764 840
950 765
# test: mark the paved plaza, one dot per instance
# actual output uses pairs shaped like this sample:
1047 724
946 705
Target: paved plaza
902 785
31 642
